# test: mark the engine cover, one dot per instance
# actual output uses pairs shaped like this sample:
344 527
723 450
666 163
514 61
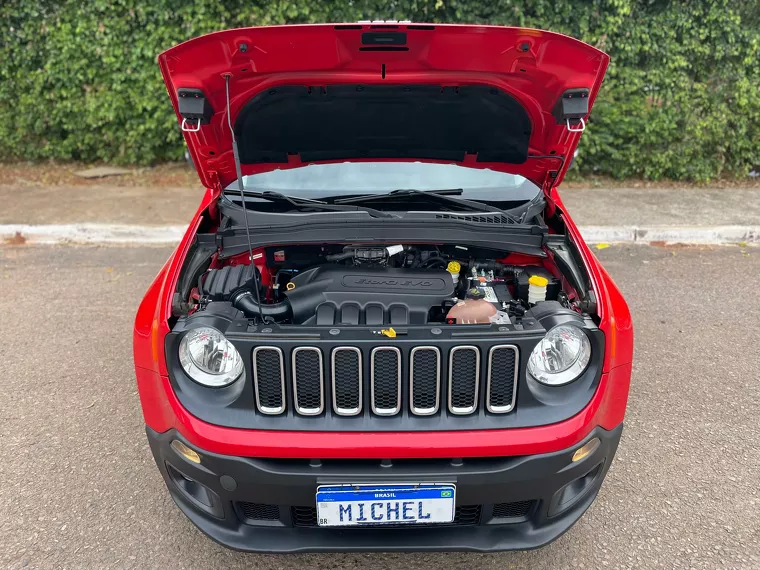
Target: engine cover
336 294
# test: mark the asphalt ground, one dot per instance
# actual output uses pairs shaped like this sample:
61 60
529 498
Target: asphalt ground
79 489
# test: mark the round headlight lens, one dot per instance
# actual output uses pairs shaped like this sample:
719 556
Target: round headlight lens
209 358
561 356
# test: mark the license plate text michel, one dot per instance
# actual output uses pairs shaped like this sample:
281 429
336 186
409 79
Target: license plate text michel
351 505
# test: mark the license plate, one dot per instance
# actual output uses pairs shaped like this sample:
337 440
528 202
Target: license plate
354 505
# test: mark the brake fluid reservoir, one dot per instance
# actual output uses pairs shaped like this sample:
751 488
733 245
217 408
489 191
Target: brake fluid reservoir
537 289
454 268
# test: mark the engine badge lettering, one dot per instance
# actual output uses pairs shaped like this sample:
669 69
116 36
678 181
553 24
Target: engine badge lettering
392 282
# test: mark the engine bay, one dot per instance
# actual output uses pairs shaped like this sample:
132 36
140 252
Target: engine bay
385 286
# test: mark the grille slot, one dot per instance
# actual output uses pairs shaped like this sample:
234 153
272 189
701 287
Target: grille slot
259 511
269 379
464 379
467 515
519 509
385 380
347 380
502 379
303 516
308 381
425 380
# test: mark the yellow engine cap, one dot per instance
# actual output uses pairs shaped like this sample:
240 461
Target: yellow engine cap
454 267
538 281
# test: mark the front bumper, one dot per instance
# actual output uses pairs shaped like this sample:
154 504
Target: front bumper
504 503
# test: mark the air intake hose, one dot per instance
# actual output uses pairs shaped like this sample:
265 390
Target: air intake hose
245 301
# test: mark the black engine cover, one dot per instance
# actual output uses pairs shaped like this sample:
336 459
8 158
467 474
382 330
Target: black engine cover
336 294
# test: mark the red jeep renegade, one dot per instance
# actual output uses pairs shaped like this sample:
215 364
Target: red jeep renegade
382 330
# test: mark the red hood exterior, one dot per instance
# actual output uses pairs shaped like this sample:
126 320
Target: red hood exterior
535 67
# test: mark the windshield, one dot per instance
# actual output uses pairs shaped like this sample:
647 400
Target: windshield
351 178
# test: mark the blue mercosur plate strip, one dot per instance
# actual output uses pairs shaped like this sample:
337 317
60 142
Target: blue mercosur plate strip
332 493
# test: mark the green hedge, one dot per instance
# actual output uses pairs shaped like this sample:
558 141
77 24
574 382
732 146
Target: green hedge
79 80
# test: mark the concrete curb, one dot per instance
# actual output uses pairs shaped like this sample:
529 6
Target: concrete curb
94 233
162 235
690 235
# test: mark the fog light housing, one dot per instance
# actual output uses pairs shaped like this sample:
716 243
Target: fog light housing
200 496
576 491
185 451
586 450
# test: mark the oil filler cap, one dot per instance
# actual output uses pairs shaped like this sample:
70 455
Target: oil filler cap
538 281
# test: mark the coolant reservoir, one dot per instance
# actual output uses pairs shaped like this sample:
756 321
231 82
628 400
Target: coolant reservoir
471 312
537 289
454 268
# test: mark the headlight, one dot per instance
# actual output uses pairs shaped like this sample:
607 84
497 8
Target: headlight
209 358
561 356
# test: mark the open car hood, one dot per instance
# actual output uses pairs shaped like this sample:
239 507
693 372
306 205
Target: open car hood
509 99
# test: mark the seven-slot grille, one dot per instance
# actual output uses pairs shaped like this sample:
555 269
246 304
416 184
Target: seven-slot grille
429 374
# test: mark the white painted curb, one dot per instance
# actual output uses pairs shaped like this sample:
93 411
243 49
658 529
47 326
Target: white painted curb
689 235
94 233
162 235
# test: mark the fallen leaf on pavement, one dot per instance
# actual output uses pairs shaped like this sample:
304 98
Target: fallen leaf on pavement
18 239
602 245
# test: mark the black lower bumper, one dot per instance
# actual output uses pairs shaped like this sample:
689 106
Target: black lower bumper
267 505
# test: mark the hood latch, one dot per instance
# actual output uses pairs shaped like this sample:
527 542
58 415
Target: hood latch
194 109
571 109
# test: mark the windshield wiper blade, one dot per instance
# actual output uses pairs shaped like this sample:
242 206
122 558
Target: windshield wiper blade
307 204
439 196
295 200
441 192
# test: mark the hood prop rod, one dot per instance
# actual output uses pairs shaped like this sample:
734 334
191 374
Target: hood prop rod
239 174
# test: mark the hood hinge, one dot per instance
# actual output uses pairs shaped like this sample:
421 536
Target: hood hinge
215 184
215 187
